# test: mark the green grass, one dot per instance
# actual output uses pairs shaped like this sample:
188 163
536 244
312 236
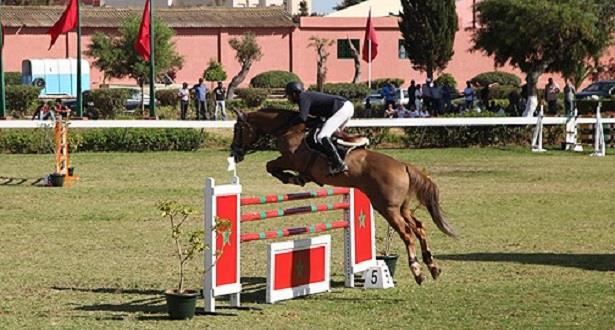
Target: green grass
536 247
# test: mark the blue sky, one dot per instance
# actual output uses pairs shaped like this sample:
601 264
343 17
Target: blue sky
324 6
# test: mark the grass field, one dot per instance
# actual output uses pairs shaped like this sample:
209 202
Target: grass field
536 247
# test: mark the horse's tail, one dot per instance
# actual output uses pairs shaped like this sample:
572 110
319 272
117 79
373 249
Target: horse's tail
428 195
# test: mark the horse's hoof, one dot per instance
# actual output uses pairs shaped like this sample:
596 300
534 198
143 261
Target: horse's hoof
419 279
435 272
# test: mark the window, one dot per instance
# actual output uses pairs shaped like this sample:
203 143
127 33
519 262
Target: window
343 47
402 50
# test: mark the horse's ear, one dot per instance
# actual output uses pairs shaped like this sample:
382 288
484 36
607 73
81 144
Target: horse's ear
241 116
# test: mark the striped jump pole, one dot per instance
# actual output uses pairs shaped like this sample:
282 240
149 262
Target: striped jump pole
222 258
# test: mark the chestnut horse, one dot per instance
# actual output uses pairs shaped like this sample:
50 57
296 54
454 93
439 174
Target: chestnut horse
390 184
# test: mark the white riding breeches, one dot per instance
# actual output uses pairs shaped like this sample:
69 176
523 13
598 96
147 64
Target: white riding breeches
337 121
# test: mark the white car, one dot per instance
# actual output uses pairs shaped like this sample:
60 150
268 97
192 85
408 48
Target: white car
378 99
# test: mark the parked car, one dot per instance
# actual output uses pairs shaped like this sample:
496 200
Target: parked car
378 98
597 90
133 103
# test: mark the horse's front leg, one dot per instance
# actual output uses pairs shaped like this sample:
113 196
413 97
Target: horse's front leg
278 167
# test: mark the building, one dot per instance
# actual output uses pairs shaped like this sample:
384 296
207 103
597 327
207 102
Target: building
203 33
292 6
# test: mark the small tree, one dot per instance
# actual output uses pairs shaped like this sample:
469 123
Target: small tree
116 57
247 52
321 44
303 9
356 57
428 28
214 72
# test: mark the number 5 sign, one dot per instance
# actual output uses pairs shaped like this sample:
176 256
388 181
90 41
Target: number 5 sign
378 277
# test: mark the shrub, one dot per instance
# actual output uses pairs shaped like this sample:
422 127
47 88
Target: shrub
502 91
12 78
353 92
378 83
496 77
20 98
214 71
273 79
108 102
446 79
167 97
589 106
253 97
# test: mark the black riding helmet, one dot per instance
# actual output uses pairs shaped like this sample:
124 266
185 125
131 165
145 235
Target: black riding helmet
293 87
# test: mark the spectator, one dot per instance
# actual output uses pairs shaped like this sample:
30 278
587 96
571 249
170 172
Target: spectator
200 94
220 96
184 100
411 92
414 113
447 96
468 96
513 103
492 107
43 112
426 94
390 112
418 98
368 108
484 97
402 112
388 91
60 109
436 99
424 113
569 92
551 92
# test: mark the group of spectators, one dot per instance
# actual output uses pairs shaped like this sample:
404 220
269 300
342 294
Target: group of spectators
50 110
201 93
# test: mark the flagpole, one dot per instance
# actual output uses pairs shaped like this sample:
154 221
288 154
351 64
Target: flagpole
152 81
369 66
2 95
79 93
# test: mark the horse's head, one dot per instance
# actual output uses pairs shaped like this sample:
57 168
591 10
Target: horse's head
244 136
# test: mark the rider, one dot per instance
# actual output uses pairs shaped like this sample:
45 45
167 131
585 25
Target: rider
336 110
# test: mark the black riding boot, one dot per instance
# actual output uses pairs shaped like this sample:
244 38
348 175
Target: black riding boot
337 163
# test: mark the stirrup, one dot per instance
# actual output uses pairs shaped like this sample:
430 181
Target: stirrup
338 169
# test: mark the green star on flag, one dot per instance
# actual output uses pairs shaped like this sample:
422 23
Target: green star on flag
226 237
362 219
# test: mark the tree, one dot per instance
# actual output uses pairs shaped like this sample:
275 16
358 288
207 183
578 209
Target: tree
247 52
116 57
428 28
542 36
321 44
303 9
214 72
356 57
347 3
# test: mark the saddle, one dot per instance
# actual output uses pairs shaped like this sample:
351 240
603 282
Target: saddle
343 142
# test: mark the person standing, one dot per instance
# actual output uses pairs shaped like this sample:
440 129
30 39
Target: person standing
418 98
426 94
184 100
411 93
569 92
468 96
200 93
388 91
436 99
447 96
551 92
484 97
220 97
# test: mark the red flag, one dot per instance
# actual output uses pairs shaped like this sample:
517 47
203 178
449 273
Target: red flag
142 45
370 35
66 23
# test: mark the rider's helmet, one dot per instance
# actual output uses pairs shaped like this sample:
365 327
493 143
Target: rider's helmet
293 87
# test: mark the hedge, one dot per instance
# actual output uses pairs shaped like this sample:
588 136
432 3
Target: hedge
273 79
108 102
379 83
447 79
496 77
20 99
253 97
467 136
353 92
12 78
27 141
167 97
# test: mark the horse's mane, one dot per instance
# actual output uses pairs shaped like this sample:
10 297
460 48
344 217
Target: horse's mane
271 117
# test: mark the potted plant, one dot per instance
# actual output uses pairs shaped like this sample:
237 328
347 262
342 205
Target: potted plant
181 302
389 259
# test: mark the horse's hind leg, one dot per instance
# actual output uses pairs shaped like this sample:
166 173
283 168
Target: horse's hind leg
421 233
396 220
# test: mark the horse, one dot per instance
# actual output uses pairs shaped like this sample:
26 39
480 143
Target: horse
390 184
